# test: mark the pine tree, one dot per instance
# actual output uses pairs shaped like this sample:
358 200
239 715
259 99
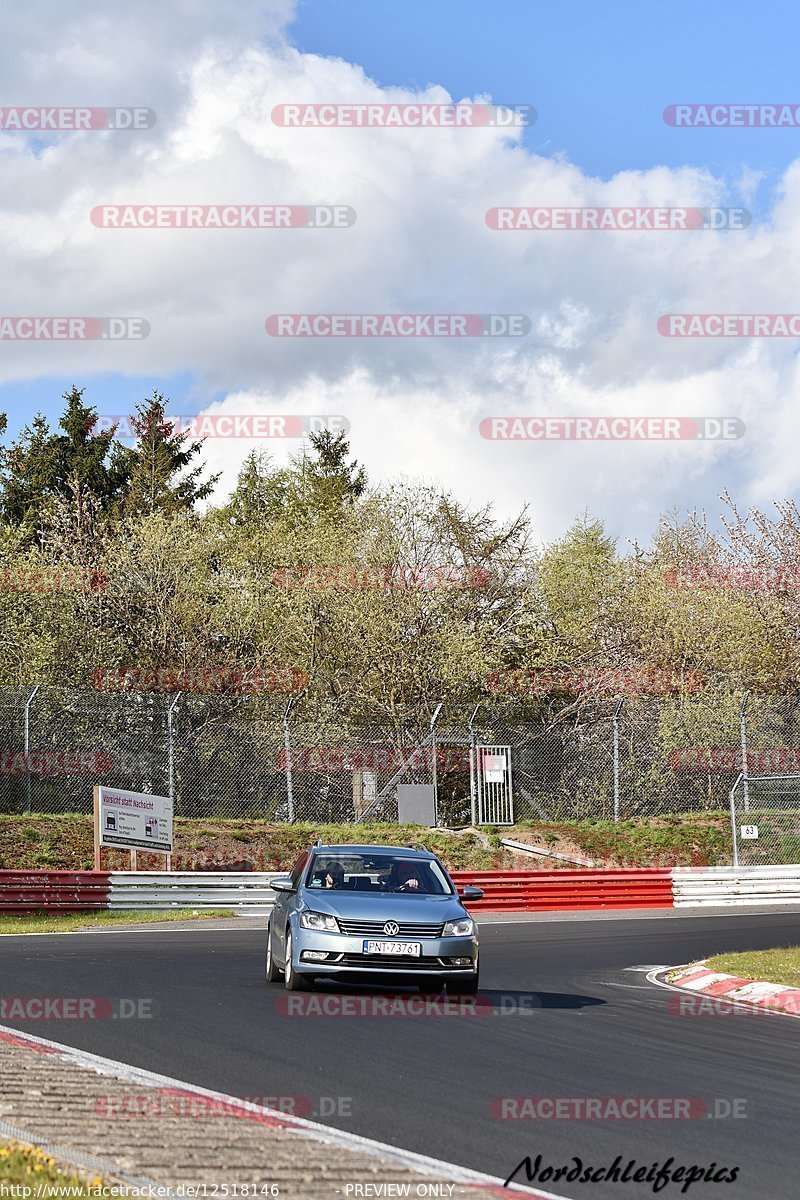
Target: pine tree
329 482
42 466
256 497
158 479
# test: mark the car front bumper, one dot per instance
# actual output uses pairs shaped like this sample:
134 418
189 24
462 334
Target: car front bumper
345 956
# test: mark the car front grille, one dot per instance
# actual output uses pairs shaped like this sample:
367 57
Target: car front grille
374 929
393 962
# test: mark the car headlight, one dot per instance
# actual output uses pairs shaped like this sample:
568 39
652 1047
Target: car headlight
322 922
461 928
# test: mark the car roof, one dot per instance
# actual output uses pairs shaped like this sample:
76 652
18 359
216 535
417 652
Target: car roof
406 851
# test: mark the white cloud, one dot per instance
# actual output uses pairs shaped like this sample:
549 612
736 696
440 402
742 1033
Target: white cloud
213 74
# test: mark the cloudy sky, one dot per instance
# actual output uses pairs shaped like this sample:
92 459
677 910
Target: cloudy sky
599 82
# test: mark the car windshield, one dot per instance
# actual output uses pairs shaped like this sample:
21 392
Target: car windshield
354 871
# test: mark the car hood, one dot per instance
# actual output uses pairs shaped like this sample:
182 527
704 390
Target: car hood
384 907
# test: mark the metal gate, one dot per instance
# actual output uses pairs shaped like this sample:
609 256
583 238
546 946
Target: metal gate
492 785
765 820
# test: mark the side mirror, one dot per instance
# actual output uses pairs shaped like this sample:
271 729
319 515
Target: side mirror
471 893
284 884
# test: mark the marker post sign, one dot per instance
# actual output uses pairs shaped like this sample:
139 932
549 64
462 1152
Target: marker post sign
132 821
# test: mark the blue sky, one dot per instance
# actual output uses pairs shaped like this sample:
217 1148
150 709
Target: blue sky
599 76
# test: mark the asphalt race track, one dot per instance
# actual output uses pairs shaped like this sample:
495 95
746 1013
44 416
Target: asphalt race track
584 1026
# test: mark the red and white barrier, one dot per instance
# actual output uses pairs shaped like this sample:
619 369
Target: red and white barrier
709 992
504 891
549 891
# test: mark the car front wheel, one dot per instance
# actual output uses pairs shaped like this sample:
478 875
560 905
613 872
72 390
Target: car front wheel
293 980
271 971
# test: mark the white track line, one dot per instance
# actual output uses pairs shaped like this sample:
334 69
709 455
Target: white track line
352 1141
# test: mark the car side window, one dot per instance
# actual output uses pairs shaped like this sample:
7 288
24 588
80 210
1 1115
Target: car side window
297 869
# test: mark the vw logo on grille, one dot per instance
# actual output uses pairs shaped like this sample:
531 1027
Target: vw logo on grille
391 928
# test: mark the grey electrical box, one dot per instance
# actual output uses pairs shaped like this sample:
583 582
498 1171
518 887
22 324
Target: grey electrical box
416 804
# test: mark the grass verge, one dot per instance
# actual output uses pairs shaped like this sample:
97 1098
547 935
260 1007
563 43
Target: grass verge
44 841
48 922
28 1165
780 965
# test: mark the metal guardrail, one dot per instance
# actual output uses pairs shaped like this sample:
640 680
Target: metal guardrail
510 891
67 891
694 886
543 891
142 890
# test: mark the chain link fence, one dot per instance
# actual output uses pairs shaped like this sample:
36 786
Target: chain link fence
765 811
240 757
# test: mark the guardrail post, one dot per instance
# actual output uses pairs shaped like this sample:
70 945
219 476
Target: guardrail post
733 823
743 732
28 703
615 723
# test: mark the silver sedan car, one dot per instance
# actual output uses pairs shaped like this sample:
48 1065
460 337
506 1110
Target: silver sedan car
375 914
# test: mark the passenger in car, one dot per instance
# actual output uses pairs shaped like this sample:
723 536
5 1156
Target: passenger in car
334 876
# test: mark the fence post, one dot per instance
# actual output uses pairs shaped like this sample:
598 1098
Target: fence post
733 823
743 731
288 749
171 761
27 747
615 722
434 719
473 799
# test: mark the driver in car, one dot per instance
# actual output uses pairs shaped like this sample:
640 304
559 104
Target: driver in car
404 877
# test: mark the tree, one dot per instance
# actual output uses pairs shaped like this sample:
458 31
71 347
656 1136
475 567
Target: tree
41 467
158 479
255 498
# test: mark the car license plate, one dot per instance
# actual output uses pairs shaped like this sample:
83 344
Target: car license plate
408 948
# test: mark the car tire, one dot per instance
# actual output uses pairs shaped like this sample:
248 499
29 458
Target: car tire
271 970
293 981
463 987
